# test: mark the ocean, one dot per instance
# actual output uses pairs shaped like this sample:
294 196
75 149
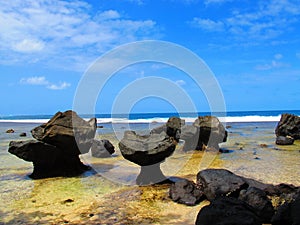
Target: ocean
108 194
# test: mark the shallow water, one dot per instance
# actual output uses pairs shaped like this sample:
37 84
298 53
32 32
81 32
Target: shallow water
107 194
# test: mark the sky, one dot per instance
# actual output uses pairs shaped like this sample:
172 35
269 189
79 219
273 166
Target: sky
251 47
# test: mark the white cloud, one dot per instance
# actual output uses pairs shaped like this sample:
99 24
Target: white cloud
59 86
272 65
207 2
34 81
278 56
180 82
208 24
44 82
264 20
64 33
27 45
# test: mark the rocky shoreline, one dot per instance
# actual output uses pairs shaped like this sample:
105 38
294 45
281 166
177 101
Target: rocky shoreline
218 186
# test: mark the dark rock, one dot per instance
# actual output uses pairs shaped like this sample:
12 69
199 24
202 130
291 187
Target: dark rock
227 211
259 201
220 182
289 125
281 140
288 213
147 151
190 135
10 131
48 160
212 131
68 132
102 148
172 128
186 192
23 134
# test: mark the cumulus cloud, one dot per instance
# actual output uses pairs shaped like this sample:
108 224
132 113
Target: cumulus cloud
64 33
44 82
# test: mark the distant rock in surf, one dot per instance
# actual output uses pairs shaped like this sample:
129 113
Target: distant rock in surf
288 126
60 142
102 149
10 131
23 134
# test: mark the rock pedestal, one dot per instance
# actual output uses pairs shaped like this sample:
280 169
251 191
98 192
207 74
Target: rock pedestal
148 151
59 143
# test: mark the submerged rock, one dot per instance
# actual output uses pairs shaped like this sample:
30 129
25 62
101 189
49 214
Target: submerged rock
211 131
48 160
227 211
68 132
289 125
281 140
60 142
102 148
186 192
220 182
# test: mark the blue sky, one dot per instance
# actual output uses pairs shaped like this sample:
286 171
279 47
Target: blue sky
252 47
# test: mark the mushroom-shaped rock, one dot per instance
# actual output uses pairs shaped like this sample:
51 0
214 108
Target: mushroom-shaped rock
211 131
48 160
148 151
190 135
172 128
68 132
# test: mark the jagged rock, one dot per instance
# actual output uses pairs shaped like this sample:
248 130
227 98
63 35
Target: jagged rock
186 192
220 182
211 131
289 125
148 151
288 213
48 160
281 140
172 128
259 201
227 211
68 132
102 149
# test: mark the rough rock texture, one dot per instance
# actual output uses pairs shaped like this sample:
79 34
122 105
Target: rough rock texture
186 192
10 131
60 142
68 132
288 213
190 135
102 148
220 182
48 160
146 150
289 125
281 140
259 201
227 211
172 128
211 131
